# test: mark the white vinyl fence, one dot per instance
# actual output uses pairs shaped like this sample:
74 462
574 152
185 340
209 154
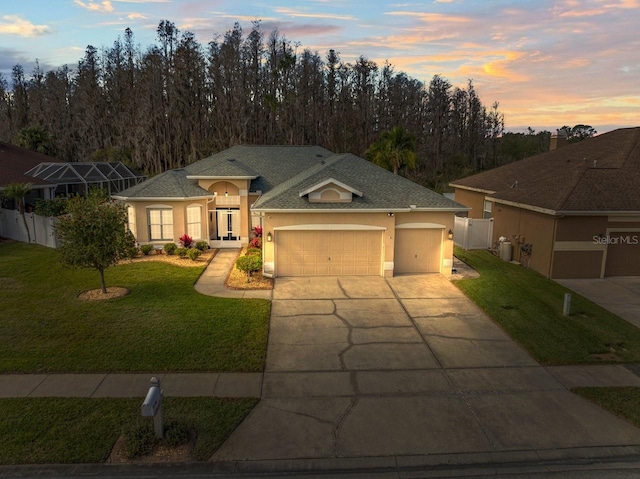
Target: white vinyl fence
473 234
41 228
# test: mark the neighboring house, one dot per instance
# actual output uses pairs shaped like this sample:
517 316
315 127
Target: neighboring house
14 164
50 177
322 213
573 212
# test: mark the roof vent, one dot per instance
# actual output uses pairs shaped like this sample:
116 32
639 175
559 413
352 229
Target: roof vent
318 155
322 162
595 163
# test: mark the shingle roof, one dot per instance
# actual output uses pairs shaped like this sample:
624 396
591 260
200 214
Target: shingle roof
272 164
597 174
16 161
382 189
170 184
282 172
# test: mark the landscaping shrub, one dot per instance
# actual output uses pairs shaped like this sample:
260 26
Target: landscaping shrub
253 251
176 433
129 248
186 241
131 252
256 242
170 248
146 249
248 264
182 252
193 253
202 245
139 440
54 207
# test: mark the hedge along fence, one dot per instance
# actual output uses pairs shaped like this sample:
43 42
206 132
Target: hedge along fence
41 228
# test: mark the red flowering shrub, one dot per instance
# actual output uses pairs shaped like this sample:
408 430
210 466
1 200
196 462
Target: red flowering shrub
186 241
256 242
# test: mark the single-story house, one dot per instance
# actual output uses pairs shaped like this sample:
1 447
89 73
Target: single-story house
572 212
321 213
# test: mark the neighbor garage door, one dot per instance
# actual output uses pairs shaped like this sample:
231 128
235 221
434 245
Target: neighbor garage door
328 253
623 258
417 251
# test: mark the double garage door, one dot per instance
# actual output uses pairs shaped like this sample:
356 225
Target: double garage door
360 253
329 253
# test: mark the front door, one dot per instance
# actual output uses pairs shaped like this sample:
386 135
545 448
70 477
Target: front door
228 223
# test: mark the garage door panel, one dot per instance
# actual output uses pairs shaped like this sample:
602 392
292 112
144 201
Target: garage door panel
329 253
418 251
623 258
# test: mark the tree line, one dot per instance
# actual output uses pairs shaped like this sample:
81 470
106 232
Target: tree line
177 101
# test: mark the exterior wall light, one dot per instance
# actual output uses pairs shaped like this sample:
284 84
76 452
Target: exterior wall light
450 235
269 237
390 214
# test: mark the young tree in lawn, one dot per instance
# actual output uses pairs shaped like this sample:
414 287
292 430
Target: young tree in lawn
93 234
17 192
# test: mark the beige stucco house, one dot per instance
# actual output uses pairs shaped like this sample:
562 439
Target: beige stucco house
321 213
573 212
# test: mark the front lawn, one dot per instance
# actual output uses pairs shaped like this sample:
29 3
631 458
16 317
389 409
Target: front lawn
529 308
623 402
162 325
76 430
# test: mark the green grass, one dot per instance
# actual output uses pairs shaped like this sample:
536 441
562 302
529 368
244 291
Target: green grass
623 402
529 308
162 325
72 430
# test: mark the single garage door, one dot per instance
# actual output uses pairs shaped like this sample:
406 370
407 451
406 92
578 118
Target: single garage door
417 251
328 253
623 256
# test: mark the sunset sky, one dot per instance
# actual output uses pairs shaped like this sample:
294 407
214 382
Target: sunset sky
548 63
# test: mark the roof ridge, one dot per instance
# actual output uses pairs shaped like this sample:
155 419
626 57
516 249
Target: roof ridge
303 175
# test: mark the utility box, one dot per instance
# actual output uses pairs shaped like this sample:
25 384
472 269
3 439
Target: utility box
506 251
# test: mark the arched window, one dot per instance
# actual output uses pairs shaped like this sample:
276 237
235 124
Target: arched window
131 220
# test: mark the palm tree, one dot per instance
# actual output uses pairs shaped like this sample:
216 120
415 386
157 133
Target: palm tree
17 192
393 150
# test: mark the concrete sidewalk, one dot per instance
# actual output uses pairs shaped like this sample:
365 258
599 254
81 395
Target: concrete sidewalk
227 385
339 384
211 281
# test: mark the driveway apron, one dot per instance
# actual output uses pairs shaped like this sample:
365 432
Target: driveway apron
360 367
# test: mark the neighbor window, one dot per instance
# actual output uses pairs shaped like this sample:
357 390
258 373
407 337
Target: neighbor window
194 221
487 209
160 224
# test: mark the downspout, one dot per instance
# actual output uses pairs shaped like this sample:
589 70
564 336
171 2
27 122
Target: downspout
553 242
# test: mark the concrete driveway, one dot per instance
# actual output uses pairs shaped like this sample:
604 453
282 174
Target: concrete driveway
619 294
404 367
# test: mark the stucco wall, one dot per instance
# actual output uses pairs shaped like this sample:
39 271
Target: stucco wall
522 226
272 221
473 200
580 247
179 218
